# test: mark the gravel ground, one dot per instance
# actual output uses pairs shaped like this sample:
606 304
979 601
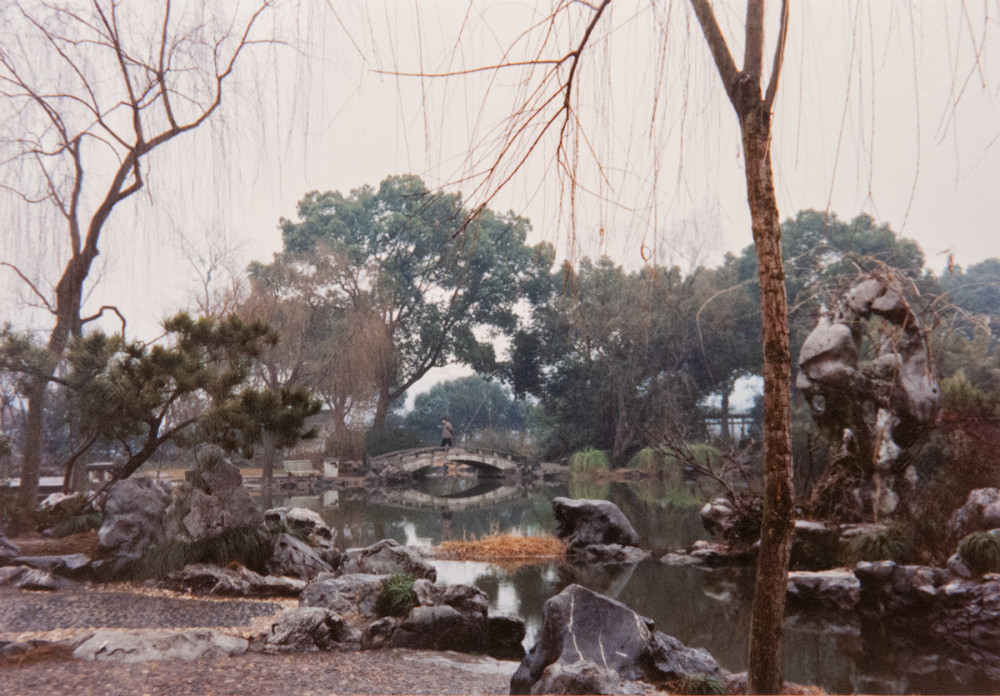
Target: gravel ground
254 674
55 621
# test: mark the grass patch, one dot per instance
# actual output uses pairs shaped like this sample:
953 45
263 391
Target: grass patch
892 545
980 551
397 597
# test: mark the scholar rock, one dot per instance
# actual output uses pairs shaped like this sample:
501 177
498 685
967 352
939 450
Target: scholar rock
581 626
354 593
296 558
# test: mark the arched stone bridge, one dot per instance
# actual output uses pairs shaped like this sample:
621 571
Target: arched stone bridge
488 463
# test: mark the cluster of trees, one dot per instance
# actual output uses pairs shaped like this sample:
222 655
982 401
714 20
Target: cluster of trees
374 288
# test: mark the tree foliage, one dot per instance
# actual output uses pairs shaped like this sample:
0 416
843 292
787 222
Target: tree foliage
471 404
430 271
193 387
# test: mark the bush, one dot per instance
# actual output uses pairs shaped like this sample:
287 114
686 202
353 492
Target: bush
980 551
396 597
247 546
588 462
892 545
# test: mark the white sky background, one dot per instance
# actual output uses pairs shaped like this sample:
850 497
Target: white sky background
882 109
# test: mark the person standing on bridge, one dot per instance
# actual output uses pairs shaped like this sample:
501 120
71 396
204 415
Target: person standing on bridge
447 433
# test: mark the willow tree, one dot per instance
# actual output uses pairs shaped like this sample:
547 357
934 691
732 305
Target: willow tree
89 91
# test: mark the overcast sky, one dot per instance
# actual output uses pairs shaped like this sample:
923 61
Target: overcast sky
883 108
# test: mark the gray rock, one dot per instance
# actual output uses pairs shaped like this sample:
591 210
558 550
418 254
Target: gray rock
674 660
829 590
592 522
710 554
216 500
441 628
135 519
305 629
118 646
581 626
387 557
932 601
463 598
302 521
75 565
8 550
614 554
352 594
505 637
979 513
29 578
296 558
207 579
377 634
581 678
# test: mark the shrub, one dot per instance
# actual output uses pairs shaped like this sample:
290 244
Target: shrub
980 551
892 545
589 461
699 683
77 524
396 597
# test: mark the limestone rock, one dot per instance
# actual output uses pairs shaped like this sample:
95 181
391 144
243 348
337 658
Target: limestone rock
709 554
8 550
207 579
828 590
296 558
216 500
376 634
614 554
74 565
118 646
505 637
387 557
354 593
931 600
305 629
592 522
302 521
464 598
135 519
440 628
29 578
581 626
980 513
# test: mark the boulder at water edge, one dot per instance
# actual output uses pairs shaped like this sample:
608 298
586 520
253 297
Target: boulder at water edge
592 644
582 523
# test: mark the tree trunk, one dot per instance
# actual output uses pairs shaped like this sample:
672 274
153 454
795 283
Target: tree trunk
724 432
381 409
31 462
778 525
268 457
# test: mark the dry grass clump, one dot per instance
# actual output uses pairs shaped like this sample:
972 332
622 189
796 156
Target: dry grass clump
504 549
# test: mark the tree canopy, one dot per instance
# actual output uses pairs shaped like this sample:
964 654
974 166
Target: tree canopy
438 277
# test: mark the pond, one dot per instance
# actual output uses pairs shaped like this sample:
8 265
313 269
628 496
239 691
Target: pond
702 608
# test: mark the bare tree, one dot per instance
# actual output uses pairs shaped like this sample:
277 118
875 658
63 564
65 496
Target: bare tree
89 90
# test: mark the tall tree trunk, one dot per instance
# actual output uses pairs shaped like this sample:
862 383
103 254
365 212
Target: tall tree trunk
268 458
31 463
778 525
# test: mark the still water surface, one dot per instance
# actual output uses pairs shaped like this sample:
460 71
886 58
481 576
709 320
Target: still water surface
702 608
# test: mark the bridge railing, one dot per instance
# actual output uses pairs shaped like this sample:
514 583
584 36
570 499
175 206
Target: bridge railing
421 452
